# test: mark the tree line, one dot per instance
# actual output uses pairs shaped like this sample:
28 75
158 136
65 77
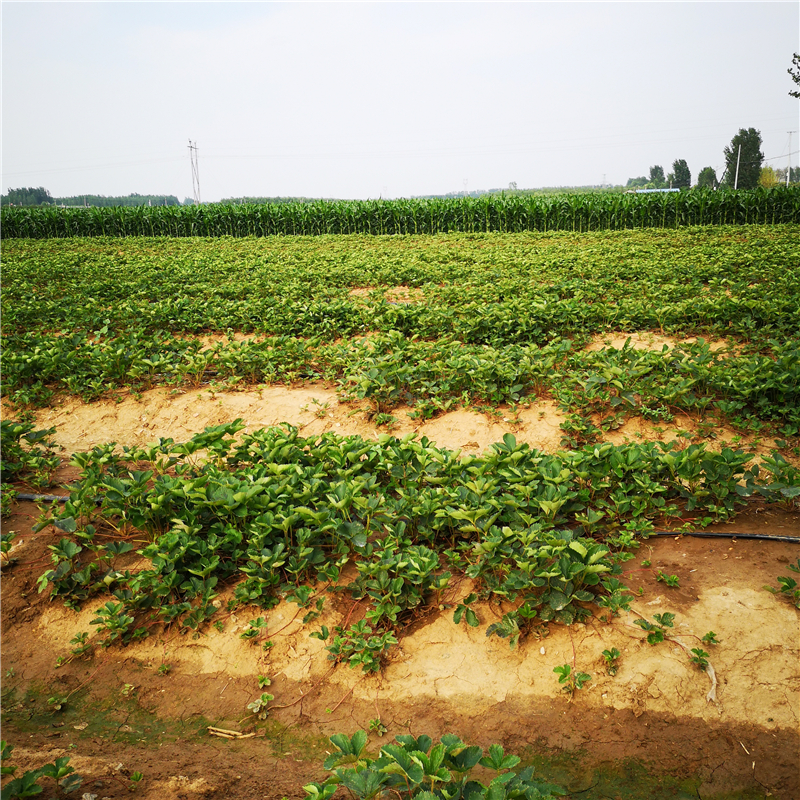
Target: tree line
744 169
39 196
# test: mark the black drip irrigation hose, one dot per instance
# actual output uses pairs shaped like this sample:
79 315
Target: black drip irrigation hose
48 498
726 535
763 537
42 498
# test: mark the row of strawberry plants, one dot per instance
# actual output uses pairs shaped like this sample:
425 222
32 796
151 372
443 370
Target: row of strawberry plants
481 289
272 514
489 213
392 370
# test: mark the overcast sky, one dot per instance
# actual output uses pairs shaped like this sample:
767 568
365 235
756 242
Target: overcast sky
360 100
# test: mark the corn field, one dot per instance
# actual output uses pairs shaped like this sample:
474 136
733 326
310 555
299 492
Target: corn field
485 214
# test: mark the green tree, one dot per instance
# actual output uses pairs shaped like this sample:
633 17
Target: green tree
707 177
768 179
634 182
657 177
749 162
794 175
27 197
794 71
682 178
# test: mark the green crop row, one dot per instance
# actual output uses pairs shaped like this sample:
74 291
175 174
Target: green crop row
272 514
489 213
480 289
391 370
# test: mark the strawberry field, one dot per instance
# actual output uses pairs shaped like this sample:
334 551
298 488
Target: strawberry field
298 510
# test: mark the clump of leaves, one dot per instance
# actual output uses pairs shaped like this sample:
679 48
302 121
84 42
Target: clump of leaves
464 612
699 657
618 598
671 580
376 726
27 453
28 784
6 538
658 630
571 681
7 495
259 706
57 702
710 638
361 645
255 629
413 767
788 586
135 780
611 657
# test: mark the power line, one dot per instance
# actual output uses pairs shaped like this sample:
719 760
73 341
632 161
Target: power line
94 166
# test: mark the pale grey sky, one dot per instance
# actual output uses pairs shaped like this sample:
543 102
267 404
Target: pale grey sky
358 100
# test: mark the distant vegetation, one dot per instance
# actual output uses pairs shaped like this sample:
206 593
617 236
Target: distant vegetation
239 201
512 213
40 196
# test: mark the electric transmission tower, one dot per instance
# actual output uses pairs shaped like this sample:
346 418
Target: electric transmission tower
195 172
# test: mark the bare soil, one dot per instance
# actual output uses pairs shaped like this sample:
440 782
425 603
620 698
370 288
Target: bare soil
650 726
649 340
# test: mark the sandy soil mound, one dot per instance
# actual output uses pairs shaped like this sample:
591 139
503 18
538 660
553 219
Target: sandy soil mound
647 340
314 410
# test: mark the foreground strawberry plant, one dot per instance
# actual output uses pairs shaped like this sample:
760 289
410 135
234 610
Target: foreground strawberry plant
275 515
416 768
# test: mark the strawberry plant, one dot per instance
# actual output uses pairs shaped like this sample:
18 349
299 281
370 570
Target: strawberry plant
463 611
361 645
376 726
28 455
699 657
255 629
415 767
28 785
571 681
788 586
656 631
259 706
611 658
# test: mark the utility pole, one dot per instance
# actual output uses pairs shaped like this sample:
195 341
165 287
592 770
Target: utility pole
789 158
195 172
736 177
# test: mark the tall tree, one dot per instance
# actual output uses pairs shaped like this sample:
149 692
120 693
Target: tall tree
707 177
768 179
749 162
794 71
657 177
682 177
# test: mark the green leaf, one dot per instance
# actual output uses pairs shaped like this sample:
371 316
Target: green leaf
497 760
364 784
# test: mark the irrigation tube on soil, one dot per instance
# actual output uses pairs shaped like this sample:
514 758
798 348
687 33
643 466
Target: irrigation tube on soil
726 535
